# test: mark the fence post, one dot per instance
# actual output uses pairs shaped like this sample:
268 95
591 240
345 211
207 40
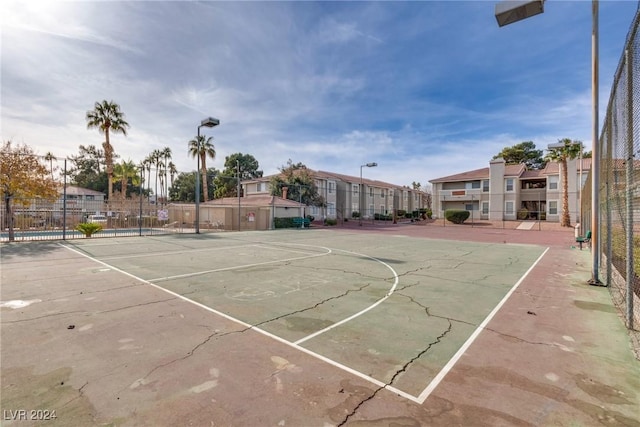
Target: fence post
609 158
64 203
629 173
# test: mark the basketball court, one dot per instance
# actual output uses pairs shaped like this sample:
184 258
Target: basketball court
294 327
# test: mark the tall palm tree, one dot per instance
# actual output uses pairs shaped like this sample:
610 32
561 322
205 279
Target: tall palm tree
166 152
124 171
156 159
148 161
173 171
206 150
49 157
569 150
107 117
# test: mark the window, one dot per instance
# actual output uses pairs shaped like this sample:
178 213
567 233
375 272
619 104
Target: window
89 197
331 209
355 188
258 187
553 207
553 182
485 208
370 191
485 185
468 207
332 187
508 208
372 210
475 184
354 207
508 184
383 210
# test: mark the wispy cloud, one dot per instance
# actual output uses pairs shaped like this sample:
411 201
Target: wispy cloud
425 89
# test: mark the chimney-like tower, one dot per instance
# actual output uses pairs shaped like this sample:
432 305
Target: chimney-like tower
284 192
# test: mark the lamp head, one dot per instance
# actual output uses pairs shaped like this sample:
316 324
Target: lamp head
508 12
210 122
371 165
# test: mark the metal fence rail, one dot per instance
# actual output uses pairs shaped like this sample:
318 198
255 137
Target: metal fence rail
619 189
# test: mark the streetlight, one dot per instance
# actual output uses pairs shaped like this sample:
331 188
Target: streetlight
368 165
208 122
508 12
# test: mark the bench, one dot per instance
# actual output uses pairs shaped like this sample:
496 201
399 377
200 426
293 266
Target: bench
300 222
585 239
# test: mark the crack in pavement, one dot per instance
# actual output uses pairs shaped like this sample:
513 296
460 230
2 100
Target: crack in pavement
219 335
6 322
135 305
393 378
313 306
406 365
80 394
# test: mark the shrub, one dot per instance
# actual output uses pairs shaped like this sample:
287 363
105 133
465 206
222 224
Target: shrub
382 217
523 213
283 223
400 213
89 228
355 214
330 221
456 216
429 213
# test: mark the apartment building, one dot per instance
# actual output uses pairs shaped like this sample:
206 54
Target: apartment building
511 192
346 196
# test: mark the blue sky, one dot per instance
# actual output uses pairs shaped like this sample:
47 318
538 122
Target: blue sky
425 88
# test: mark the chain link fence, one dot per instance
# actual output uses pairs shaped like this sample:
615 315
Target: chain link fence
619 192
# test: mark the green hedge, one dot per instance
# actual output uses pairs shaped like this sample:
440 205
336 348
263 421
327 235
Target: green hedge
456 216
383 217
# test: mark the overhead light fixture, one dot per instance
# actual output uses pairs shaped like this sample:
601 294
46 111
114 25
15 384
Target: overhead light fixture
508 12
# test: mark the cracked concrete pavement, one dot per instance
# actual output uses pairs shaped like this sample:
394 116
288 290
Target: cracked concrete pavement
555 354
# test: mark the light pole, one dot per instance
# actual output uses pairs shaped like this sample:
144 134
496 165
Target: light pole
508 12
360 196
208 122
239 190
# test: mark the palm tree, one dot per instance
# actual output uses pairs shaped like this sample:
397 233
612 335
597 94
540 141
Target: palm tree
566 150
107 117
166 152
122 172
156 159
206 150
49 157
173 171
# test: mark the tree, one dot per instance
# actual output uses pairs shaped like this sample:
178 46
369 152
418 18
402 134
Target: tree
85 170
125 171
524 152
203 148
183 188
49 157
226 184
568 151
22 178
164 182
416 185
107 117
299 182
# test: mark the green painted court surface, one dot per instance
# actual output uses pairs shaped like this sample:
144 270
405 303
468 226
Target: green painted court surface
390 309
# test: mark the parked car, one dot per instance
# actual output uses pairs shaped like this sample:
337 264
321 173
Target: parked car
101 219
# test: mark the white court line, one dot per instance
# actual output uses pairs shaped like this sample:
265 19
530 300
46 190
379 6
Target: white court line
445 370
183 251
254 328
237 267
419 399
343 321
